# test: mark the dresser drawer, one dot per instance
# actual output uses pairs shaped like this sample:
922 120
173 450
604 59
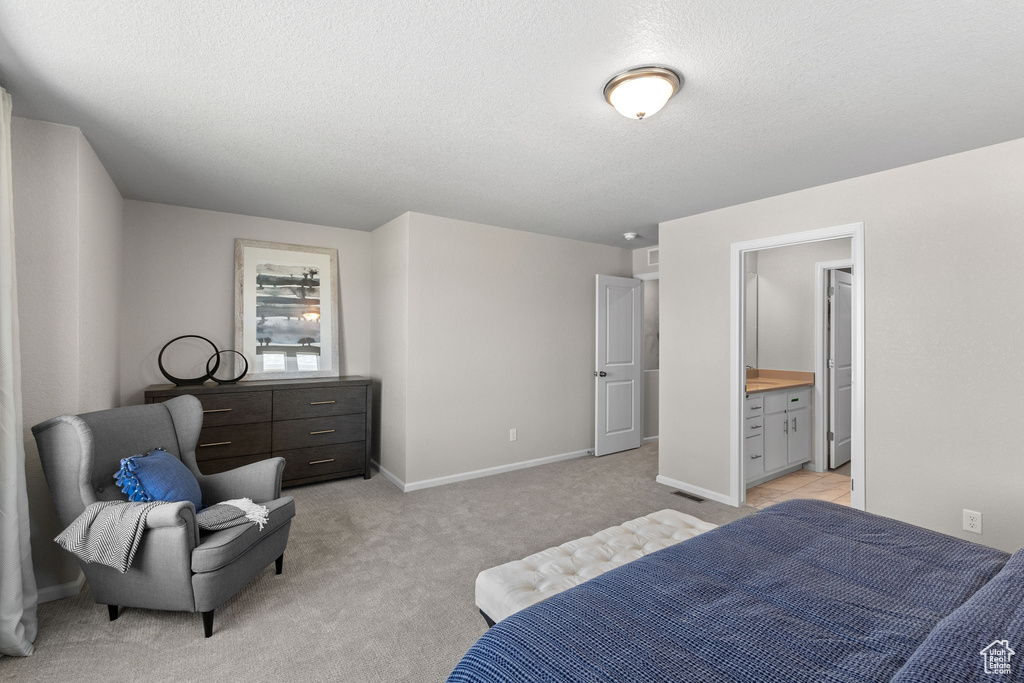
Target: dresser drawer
753 450
291 404
302 463
318 431
233 440
225 464
754 406
754 426
232 408
798 399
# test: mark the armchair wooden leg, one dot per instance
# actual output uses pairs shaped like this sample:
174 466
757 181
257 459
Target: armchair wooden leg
112 612
207 624
279 564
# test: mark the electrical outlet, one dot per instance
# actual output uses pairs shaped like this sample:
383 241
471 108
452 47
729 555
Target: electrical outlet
512 435
972 521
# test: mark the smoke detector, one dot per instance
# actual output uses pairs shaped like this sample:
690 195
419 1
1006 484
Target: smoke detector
629 236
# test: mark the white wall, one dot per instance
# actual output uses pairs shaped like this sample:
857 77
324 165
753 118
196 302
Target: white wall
500 336
640 262
390 358
942 240
68 231
179 279
786 301
100 240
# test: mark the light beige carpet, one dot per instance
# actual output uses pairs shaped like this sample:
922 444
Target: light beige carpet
377 584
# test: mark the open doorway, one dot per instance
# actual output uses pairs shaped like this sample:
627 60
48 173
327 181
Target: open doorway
784 392
793 413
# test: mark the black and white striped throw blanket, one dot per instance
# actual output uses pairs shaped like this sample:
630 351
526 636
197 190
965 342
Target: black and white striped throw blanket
109 532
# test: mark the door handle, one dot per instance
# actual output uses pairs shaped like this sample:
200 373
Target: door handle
794 425
785 426
600 374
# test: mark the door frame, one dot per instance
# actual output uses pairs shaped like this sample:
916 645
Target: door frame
822 388
647 277
737 371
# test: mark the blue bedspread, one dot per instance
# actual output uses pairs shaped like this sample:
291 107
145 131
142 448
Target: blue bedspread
802 591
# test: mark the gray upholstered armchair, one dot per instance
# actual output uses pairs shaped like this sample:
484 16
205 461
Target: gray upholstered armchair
176 567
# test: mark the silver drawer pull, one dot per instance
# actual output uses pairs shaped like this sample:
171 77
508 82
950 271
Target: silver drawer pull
217 410
320 462
754 457
755 407
755 426
323 431
319 403
219 443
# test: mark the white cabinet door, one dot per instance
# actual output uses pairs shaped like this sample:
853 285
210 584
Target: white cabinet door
799 435
776 441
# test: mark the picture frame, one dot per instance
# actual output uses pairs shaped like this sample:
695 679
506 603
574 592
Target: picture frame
286 310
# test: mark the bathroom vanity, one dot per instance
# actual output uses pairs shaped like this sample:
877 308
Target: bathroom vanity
777 423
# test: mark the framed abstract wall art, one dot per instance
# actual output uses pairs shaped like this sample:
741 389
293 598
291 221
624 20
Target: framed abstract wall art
286 309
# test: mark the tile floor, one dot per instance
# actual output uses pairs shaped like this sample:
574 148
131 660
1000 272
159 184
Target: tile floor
801 484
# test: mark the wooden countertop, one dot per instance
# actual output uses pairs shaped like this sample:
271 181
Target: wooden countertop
772 380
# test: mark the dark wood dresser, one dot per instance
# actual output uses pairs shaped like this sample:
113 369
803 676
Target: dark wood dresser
321 427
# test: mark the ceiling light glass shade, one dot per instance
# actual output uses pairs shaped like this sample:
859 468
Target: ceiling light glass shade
641 92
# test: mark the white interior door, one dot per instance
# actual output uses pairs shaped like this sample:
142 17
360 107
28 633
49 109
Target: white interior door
619 373
840 372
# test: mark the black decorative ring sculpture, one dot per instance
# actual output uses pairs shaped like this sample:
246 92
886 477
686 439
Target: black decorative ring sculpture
194 380
210 372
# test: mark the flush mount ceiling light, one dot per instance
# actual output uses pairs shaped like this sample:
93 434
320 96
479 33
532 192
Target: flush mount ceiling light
629 236
643 91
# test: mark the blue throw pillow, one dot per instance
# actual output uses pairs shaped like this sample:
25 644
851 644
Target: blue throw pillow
158 475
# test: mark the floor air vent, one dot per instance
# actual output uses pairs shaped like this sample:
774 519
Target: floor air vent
692 497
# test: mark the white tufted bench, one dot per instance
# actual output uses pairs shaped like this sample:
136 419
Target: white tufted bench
504 590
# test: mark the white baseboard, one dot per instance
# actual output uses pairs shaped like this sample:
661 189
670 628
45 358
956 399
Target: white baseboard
62 590
695 490
476 474
650 438
387 475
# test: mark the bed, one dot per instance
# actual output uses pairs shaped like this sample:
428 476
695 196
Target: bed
802 591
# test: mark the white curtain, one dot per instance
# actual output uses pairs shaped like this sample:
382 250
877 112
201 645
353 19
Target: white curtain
17 584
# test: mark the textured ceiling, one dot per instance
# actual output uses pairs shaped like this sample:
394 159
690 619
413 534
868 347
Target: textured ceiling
351 113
